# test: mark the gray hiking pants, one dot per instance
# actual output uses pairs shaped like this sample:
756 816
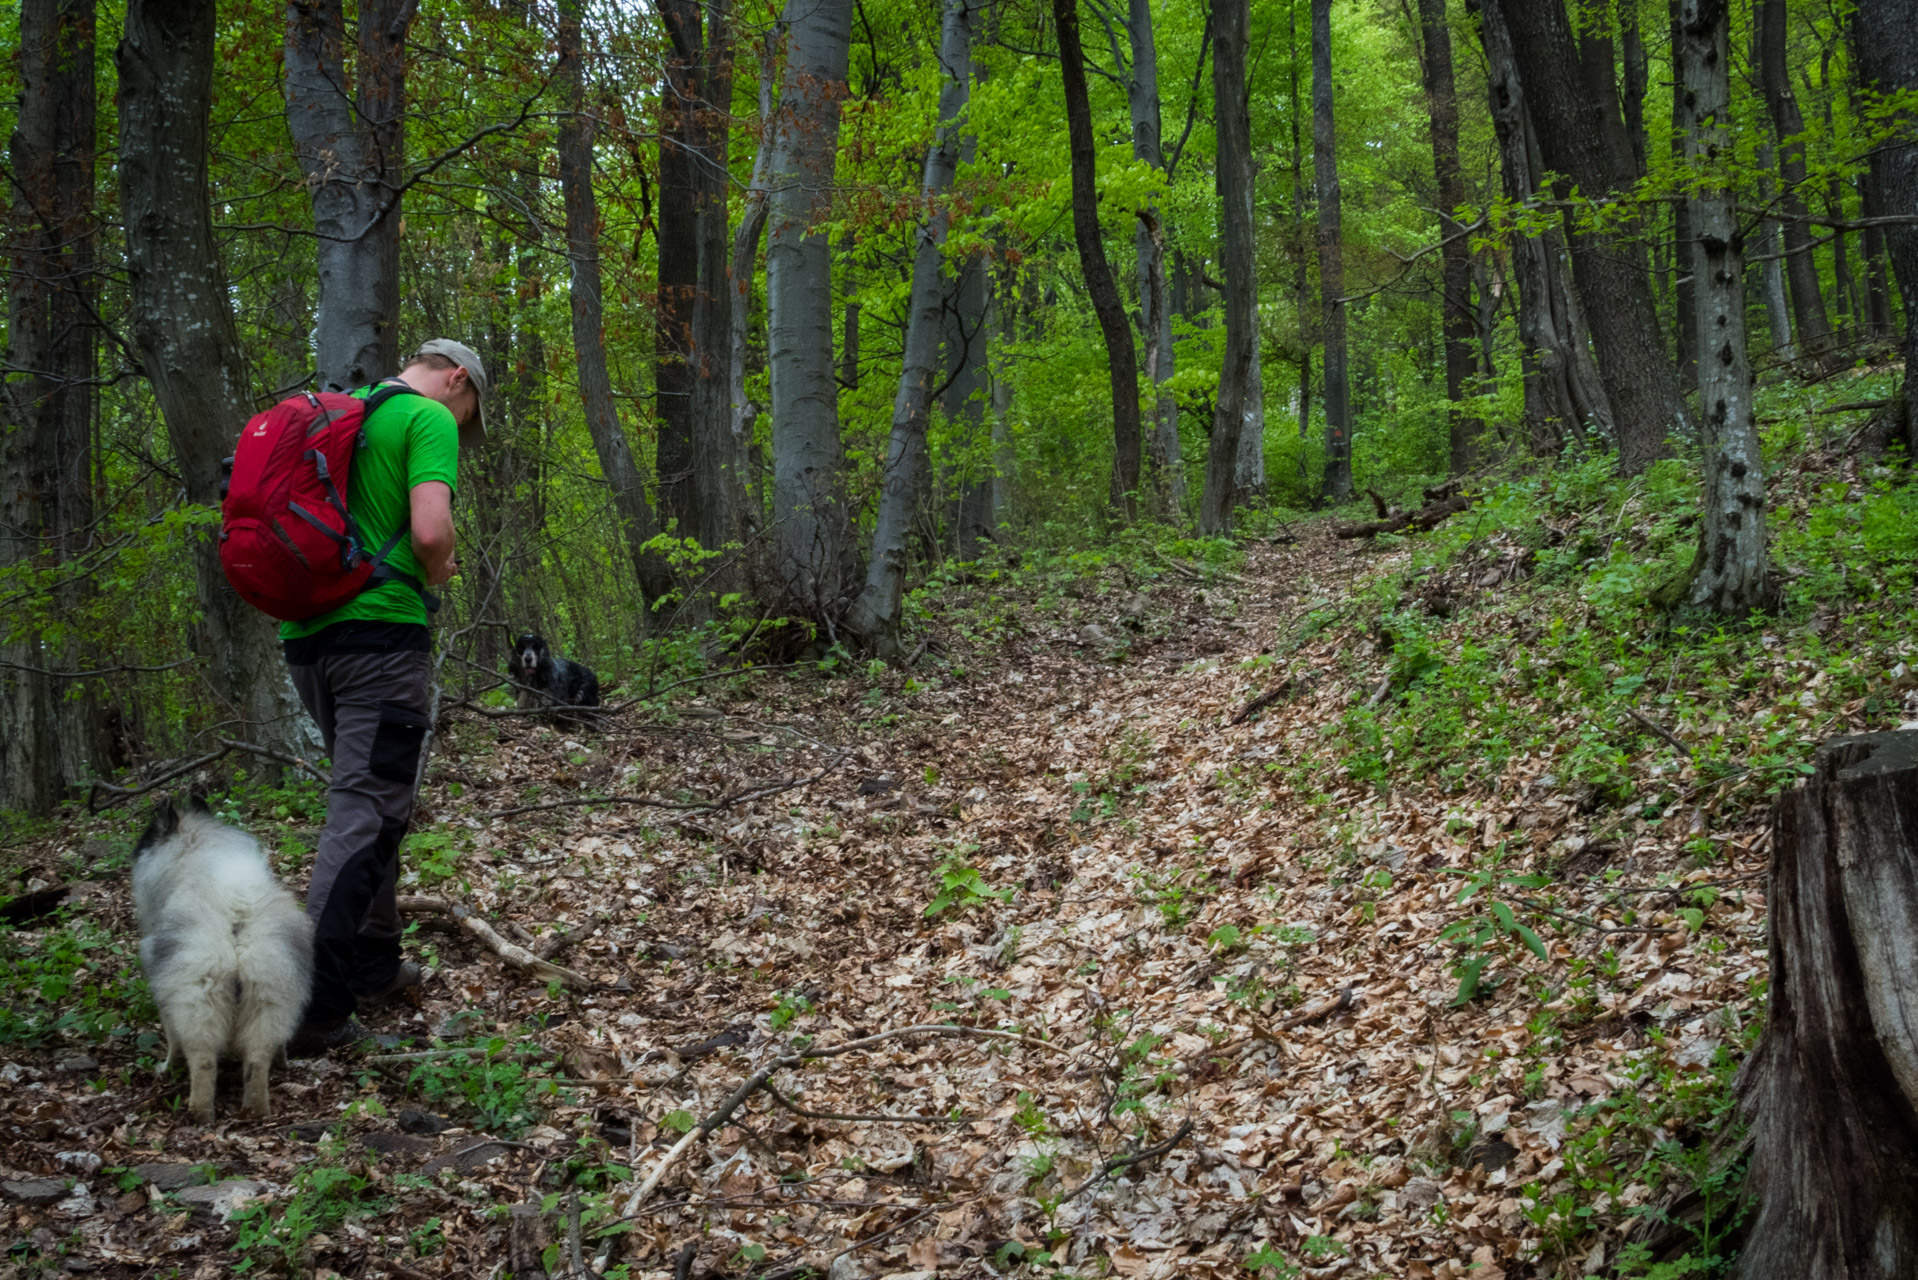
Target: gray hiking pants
372 710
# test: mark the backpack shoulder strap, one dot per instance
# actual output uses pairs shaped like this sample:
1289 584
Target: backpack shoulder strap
384 391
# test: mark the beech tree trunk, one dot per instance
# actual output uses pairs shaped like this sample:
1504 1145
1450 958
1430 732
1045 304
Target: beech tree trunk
1831 1092
875 615
1232 175
184 330
1886 55
1730 574
1563 394
1457 320
1812 325
677 238
1121 360
718 466
745 255
46 404
813 567
1877 278
616 464
1325 169
1588 149
1635 63
1683 260
1148 243
968 386
352 151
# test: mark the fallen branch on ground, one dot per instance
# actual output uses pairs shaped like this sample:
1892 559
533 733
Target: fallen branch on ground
798 1110
1422 520
1659 729
116 794
511 952
757 1080
1264 700
1196 575
1125 1162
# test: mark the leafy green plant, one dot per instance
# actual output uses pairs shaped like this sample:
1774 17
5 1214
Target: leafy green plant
323 1195
70 979
433 856
1268 1260
1178 894
493 1088
790 1005
960 886
1480 938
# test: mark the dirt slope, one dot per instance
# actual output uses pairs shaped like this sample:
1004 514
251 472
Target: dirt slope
1198 928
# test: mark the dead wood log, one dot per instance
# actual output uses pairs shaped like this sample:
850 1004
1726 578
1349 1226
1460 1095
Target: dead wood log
1379 504
1282 689
1424 519
1831 1092
487 936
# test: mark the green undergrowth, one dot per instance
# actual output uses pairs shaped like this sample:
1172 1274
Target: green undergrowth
1552 660
68 980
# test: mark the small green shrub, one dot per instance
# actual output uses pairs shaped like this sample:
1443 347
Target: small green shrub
496 1091
961 886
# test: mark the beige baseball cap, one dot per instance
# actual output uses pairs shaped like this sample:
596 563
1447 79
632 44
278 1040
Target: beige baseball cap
468 359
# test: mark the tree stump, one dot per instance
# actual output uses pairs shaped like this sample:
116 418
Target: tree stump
1832 1090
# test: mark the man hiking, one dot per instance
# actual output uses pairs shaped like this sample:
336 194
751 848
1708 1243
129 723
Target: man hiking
362 673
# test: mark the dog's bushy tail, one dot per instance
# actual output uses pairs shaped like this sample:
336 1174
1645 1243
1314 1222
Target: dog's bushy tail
273 942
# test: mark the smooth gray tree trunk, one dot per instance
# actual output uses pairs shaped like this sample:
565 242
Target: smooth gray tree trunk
1730 575
1458 322
1249 470
968 386
1886 56
184 330
1143 102
1331 242
1232 177
575 146
875 615
1122 362
745 256
1771 280
718 467
1811 326
46 404
1563 395
352 151
1005 458
1585 144
676 236
813 548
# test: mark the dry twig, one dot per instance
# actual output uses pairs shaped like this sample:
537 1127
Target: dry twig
511 952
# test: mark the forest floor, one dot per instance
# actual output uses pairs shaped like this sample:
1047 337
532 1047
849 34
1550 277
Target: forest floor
1196 979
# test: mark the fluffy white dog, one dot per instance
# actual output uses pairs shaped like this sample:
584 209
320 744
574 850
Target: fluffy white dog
227 951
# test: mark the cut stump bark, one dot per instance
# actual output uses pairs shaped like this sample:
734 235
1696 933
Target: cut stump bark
1832 1091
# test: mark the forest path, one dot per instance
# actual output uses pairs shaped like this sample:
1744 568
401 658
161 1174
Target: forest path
1201 919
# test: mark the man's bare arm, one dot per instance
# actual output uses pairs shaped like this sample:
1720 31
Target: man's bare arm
432 515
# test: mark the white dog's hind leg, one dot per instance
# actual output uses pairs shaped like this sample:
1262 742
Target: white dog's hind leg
172 1050
254 1077
203 1065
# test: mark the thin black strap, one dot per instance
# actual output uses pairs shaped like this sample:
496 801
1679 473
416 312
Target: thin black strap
317 523
384 391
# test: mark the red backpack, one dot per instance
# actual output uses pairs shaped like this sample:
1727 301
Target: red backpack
287 542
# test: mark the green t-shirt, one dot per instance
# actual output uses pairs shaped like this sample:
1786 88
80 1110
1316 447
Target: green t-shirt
409 440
